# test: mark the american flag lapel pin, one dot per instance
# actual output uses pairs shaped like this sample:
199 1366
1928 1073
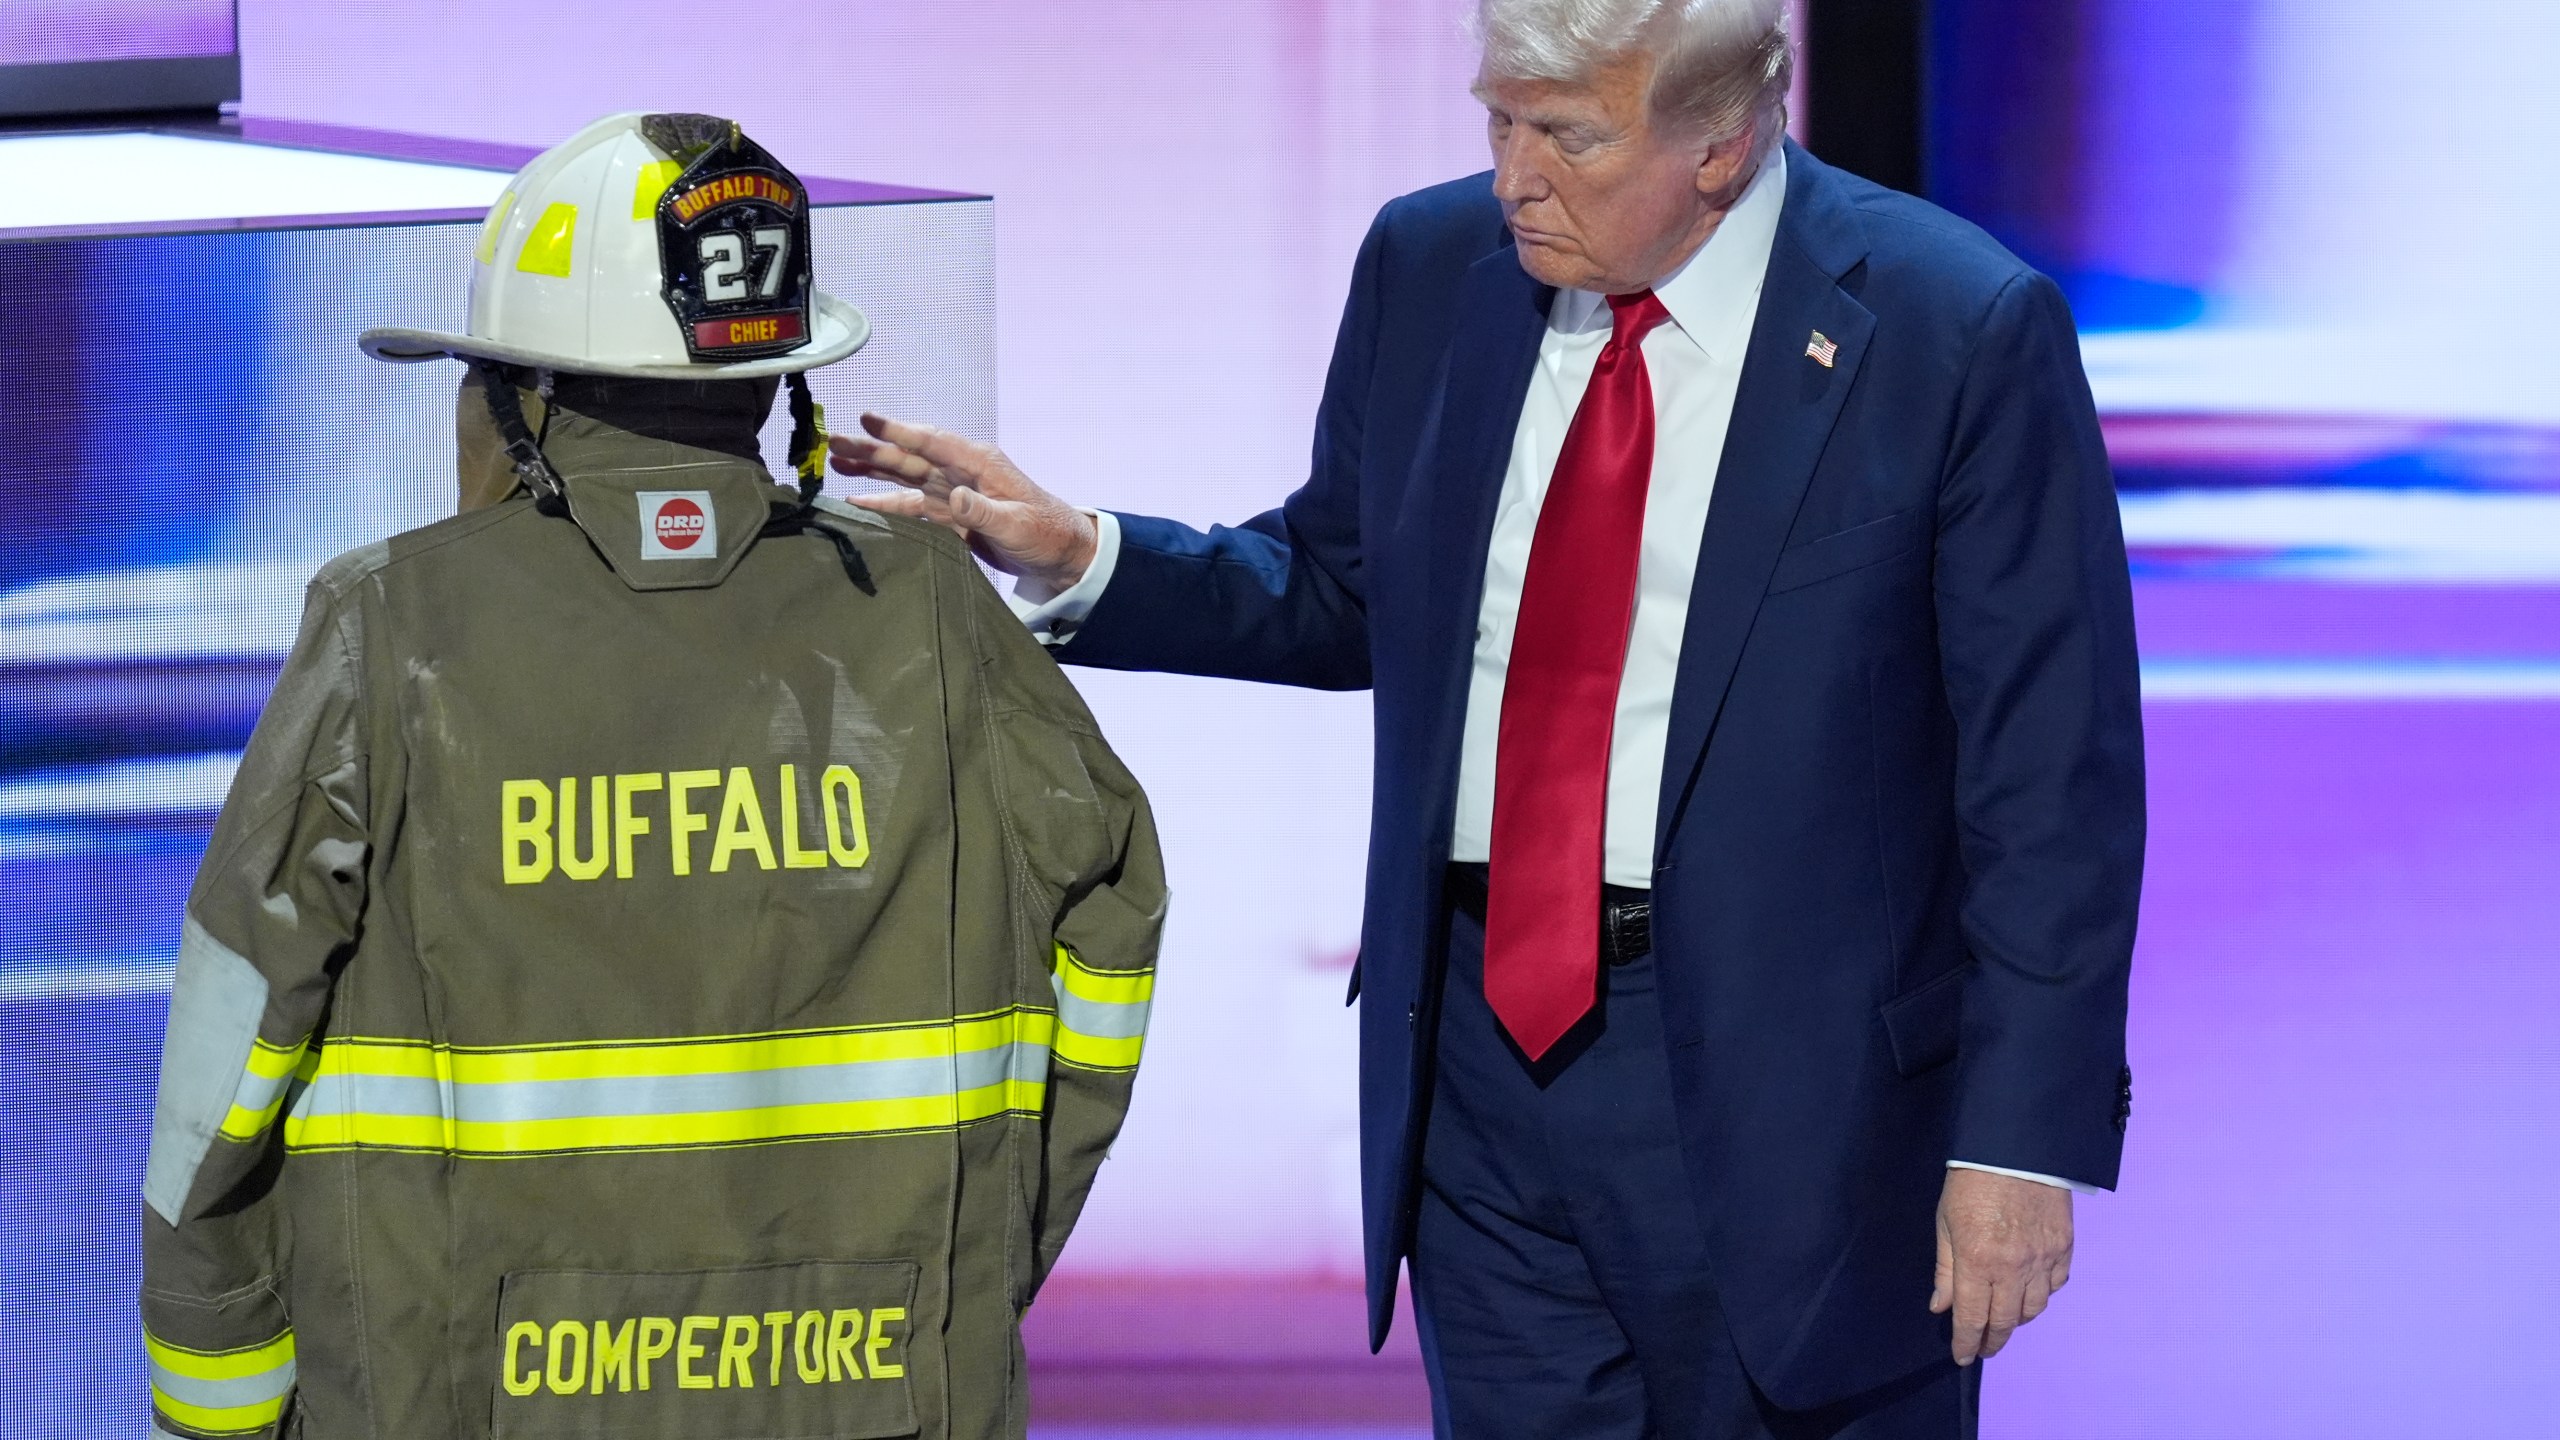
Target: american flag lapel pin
1823 351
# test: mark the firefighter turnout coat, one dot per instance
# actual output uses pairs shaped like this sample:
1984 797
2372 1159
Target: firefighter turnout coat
651 978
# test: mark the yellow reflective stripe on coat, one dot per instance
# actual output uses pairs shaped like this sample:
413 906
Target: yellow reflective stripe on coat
221 1392
262 1088
673 1093
1102 1014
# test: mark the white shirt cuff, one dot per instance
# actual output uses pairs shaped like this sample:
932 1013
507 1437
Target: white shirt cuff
2056 1181
1053 615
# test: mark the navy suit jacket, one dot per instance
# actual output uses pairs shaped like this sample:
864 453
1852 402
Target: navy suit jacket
1901 824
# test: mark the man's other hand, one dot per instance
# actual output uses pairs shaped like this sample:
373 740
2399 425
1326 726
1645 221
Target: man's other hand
2004 1247
1011 523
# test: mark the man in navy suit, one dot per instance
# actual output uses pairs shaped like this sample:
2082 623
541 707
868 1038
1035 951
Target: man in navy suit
1758 819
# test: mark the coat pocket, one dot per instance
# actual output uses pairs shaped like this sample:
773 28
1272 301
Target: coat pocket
1855 548
1925 1025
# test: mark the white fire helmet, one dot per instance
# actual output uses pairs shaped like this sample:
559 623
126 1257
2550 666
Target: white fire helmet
667 247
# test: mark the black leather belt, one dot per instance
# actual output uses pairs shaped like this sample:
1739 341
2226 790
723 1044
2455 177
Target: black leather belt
1626 916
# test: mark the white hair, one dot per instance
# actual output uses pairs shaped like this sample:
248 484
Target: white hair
1721 67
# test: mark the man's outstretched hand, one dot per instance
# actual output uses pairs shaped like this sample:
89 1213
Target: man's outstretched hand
2004 1247
1011 523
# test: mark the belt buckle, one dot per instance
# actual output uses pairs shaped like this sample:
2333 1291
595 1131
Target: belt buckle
1626 931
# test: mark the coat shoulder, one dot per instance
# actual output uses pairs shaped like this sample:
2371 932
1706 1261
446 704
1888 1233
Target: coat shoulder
356 566
1456 222
1464 205
1912 256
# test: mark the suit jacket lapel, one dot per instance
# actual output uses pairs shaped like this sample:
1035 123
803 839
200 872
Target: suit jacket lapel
1493 350
1782 419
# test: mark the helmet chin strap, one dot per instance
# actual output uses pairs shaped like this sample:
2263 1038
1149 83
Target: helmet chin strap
808 438
523 449
809 461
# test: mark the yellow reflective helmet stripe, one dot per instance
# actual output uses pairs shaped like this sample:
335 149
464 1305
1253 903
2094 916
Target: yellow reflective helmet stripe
262 1088
655 177
1102 1014
548 244
227 1392
495 226
488 1102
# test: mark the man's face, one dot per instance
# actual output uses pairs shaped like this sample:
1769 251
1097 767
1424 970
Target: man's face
1597 197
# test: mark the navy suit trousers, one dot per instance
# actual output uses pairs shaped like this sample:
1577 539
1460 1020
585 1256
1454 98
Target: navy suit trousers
1559 1263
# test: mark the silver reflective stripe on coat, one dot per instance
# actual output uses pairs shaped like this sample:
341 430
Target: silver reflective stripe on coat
1102 1019
239 1392
215 1006
333 1093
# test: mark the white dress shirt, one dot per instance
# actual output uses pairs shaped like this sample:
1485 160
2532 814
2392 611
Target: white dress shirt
1695 366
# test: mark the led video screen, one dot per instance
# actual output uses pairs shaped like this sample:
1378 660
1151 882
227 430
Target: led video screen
2349 583
53 32
80 57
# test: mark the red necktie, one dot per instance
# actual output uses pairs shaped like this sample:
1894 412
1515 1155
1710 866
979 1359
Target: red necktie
1551 767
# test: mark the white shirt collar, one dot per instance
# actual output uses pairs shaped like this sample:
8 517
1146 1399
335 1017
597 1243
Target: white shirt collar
1715 294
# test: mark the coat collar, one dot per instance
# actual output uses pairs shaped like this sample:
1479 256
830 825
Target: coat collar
1493 351
1715 293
